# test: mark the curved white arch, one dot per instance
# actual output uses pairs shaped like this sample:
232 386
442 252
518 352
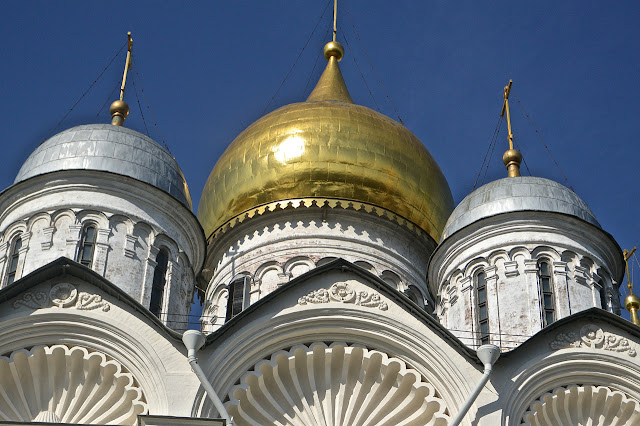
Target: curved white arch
338 384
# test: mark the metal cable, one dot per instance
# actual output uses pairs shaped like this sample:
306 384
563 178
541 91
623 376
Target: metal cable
108 98
371 63
484 160
133 81
523 157
135 69
361 74
296 61
493 147
85 92
315 64
543 143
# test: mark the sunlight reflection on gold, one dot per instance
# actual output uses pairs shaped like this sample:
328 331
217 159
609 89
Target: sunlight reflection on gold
289 149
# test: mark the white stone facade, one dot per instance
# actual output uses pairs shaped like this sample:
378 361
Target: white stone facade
273 248
133 221
508 248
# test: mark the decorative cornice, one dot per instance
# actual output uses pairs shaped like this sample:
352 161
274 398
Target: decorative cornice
343 293
63 295
592 336
318 203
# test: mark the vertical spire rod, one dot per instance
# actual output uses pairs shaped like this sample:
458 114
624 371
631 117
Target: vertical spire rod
127 65
335 18
505 107
631 302
119 109
512 158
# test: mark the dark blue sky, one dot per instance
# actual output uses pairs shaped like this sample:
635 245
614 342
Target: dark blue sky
209 69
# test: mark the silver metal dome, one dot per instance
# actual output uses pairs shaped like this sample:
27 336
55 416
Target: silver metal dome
112 149
517 194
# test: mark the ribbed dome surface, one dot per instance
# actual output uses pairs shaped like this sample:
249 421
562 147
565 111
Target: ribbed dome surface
517 194
112 149
327 147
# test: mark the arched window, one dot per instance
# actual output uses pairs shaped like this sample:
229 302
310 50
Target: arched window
236 302
546 293
159 281
415 295
12 261
87 245
483 313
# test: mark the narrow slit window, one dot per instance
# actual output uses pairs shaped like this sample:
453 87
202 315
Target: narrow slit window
159 282
546 294
87 246
235 303
603 296
483 313
16 245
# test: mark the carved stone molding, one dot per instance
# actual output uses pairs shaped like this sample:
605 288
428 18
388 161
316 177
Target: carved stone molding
62 384
583 405
63 295
342 292
48 237
592 336
312 385
511 269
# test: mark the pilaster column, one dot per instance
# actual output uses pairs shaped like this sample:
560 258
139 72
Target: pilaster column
22 254
531 281
73 240
493 304
466 304
101 250
561 290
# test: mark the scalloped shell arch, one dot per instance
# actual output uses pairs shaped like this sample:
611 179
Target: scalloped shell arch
68 385
583 405
334 385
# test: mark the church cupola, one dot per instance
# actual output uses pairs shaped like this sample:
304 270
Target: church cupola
113 200
518 254
319 180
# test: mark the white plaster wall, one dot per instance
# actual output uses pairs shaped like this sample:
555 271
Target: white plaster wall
508 248
273 249
132 219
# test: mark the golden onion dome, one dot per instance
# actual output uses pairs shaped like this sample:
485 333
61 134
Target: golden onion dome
330 148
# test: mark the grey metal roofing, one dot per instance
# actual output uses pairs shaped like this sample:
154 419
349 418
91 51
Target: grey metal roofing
112 149
526 193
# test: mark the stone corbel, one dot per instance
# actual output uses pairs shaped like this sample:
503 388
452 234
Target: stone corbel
531 266
511 269
492 272
466 284
580 274
48 237
560 268
74 235
284 277
130 245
